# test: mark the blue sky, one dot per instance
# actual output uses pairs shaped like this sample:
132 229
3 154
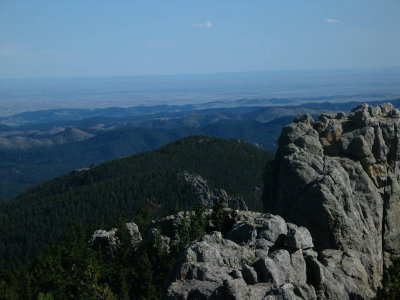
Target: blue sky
57 38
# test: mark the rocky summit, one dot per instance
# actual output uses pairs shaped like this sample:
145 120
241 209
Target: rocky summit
331 224
339 177
263 257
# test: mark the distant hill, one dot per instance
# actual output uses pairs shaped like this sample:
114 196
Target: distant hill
76 138
264 109
99 196
21 169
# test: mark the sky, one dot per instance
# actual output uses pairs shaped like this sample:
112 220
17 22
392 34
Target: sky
94 38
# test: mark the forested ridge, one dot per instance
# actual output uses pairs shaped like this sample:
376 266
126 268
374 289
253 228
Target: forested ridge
72 268
21 169
115 190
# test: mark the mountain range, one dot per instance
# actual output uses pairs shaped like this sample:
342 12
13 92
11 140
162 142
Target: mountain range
50 143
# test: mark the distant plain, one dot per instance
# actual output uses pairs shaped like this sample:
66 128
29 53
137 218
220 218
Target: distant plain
217 90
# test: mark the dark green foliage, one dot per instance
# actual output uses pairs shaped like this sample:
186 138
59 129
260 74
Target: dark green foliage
66 269
198 222
193 226
69 269
22 169
391 283
116 190
220 216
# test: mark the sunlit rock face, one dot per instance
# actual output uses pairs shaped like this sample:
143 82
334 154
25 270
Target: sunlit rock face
339 177
264 257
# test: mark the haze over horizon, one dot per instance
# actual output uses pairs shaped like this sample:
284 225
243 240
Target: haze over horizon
107 38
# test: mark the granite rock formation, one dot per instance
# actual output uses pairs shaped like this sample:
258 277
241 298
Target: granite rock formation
263 257
339 177
208 197
109 241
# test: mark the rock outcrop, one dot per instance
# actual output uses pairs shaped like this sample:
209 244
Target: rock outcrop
340 178
208 197
103 239
109 240
263 257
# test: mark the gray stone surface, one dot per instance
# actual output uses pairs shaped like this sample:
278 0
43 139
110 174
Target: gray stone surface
249 274
276 268
134 233
284 266
109 241
106 240
298 237
208 197
243 233
339 177
240 265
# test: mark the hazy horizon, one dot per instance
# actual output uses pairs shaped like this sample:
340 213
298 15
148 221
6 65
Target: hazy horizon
96 54
345 69
27 94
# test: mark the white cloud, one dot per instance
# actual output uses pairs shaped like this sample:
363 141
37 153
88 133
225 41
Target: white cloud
207 24
334 21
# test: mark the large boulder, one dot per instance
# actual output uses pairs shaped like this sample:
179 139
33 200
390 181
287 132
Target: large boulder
339 177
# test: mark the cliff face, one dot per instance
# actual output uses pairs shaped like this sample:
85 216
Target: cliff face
340 178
